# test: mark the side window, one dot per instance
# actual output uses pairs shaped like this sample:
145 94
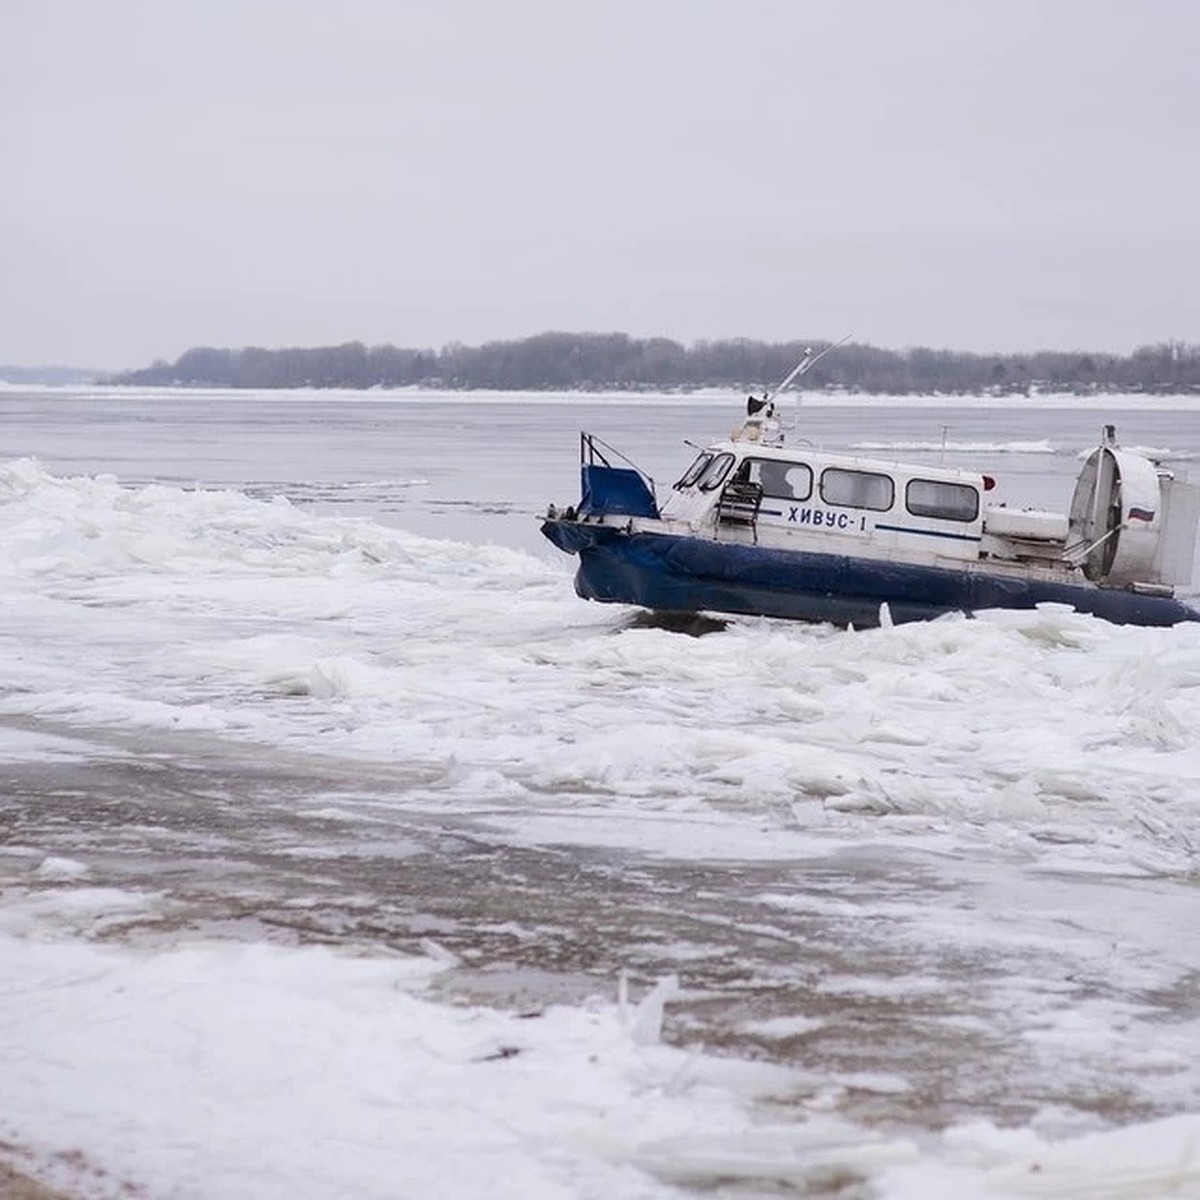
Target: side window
947 501
693 472
857 489
784 480
714 472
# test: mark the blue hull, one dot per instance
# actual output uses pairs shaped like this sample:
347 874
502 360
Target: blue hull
684 574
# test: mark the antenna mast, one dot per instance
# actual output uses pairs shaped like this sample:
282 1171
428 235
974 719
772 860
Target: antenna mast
806 363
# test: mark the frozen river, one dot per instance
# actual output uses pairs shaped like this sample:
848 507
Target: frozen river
294 691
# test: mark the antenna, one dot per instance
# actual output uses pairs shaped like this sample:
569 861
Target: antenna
806 363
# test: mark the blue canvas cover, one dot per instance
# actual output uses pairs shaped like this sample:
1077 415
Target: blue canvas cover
614 490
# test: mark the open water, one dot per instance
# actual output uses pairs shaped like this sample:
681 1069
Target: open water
302 666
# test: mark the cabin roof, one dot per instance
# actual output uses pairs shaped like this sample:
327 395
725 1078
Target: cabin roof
820 459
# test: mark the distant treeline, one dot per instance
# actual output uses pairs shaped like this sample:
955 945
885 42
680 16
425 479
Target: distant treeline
615 361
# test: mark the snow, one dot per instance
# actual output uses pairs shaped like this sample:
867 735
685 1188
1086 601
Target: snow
719 397
999 819
265 1071
218 1069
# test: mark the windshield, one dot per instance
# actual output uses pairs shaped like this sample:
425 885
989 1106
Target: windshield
693 472
714 473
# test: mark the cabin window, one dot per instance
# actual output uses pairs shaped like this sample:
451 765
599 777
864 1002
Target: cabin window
783 480
714 472
693 472
857 489
945 501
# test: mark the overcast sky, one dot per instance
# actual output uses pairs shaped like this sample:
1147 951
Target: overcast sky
971 174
